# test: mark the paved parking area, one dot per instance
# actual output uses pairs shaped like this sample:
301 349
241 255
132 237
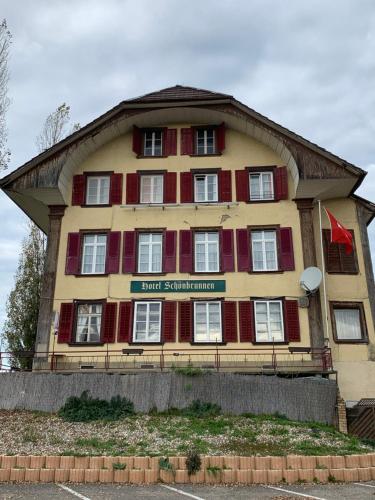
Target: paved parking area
179 492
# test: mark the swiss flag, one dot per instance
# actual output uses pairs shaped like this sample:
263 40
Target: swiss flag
339 234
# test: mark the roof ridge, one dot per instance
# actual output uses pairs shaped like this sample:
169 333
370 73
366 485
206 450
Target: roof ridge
178 91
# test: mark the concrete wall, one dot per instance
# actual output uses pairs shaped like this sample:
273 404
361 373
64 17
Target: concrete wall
304 399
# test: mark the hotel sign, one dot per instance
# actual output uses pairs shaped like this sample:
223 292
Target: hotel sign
177 286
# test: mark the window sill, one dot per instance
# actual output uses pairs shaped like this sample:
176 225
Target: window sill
150 274
196 155
133 342
196 205
283 342
92 275
208 343
360 341
98 205
349 273
208 273
266 272
262 201
86 344
141 157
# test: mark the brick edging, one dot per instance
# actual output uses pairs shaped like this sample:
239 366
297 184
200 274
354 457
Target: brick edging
214 469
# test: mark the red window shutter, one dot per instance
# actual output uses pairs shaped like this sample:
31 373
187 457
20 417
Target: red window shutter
169 251
137 141
229 321
186 251
112 265
109 322
291 319
170 187
115 195
281 183
132 189
286 254
79 190
129 252
220 138
125 322
187 141
65 323
73 252
185 319
242 185
243 250
335 256
247 322
169 142
225 185
186 187
169 321
227 250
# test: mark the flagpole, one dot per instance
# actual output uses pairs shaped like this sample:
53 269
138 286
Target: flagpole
323 271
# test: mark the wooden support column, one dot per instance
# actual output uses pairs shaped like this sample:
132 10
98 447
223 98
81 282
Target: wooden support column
305 207
56 213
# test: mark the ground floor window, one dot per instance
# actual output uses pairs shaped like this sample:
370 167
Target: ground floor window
269 325
147 322
89 319
207 322
348 322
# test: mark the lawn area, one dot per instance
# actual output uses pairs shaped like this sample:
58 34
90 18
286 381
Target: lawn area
23 432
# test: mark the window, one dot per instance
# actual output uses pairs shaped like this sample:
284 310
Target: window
149 252
336 259
207 252
348 322
269 321
147 319
151 189
261 186
152 145
89 318
94 253
97 190
205 144
207 322
205 187
264 250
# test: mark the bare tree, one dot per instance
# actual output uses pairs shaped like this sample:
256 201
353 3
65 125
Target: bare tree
5 39
55 128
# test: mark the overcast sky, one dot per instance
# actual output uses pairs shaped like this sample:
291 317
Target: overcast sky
309 66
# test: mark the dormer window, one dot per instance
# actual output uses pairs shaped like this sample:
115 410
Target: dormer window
205 141
152 143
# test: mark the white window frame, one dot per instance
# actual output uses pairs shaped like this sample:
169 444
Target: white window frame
147 303
264 240
261 193
152 193
205 141
153 142
100 179
207 304
151 244
206 243
206 177
89 316
95 245
268 302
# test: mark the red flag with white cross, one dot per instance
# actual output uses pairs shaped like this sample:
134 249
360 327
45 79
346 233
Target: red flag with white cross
339 234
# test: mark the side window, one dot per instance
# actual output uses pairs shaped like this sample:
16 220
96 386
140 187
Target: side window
348 322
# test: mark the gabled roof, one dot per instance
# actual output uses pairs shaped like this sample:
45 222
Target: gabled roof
179 93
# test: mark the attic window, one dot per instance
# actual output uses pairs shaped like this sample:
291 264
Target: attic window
152 142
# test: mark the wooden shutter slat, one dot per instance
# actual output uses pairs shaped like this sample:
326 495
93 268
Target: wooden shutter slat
186 251
115 194
349 262
65 323
132 188
186 187
169 321
169 251
242 185
78 190
220 138
229 321
73 252
137 141
185 320
292 327
113 252
247 322
187 141
286 253
170 187
243 250
227 250
169 142
129 252
125 322
109 322
281 183
225 185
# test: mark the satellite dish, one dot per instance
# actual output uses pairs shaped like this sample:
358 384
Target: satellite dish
310 279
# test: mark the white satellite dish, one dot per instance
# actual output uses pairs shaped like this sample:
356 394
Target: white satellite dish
310 279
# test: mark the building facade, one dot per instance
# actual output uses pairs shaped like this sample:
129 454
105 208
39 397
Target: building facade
179 224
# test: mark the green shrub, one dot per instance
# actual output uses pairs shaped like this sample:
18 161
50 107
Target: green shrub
189 370
193 462
201 409
118 466
85 408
